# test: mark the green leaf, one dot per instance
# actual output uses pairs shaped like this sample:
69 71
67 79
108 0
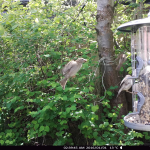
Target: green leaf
65 97
95 134
96 117
129 68
53 84
1 30
115 87
29 100
15 26
34 122
59 88
110 115
140 135
106 134
111 88
91 89
86 90
41 128
72 99
95 108
78 96
27 92
2 142
80 79
47 128
36 126
31 93
121 69
109 93
19 108
73 108
46 108
44 82
99 142
43 133
68 110
40 134
106 124
34 113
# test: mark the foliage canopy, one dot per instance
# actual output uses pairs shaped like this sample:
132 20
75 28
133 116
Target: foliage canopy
36 41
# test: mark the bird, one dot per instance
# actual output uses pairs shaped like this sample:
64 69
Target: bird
122 58
145 74
145 71
125 84
70 70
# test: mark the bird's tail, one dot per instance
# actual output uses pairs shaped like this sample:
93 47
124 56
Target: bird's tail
121 61
118 67
119 92
63 83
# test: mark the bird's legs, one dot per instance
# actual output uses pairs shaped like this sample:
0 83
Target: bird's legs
74 76
129 92
134 92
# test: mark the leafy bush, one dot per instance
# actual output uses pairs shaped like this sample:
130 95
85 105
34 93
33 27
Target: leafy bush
35 43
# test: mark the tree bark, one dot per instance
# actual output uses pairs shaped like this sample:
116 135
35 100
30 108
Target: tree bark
138 12
105 12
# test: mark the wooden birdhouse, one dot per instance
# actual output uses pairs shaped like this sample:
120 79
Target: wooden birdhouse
140 60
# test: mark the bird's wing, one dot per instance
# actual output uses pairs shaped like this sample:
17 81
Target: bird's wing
126 85
145 70
128 82
122 58
125 78
68 67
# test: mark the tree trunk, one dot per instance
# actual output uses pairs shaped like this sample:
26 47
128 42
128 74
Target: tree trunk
105 12
138 11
